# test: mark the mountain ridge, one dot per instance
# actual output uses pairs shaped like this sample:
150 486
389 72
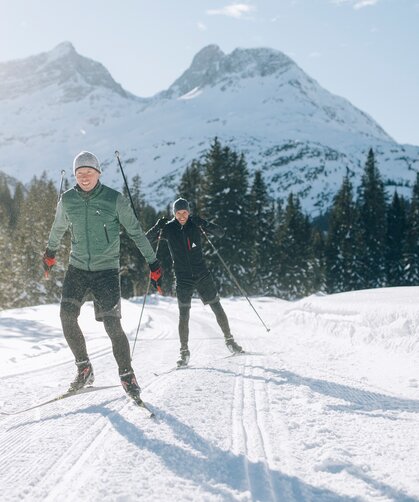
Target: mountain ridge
61 65
258 101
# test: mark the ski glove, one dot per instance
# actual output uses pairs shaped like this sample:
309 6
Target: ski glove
161 222
156 275
48 260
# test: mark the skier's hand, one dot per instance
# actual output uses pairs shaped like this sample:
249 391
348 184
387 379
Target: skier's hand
161 222
156 275
48 261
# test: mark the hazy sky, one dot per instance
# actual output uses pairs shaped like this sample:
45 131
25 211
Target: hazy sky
364 50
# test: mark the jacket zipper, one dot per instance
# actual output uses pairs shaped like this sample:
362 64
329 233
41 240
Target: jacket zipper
87 234
187 242
106 233
72 233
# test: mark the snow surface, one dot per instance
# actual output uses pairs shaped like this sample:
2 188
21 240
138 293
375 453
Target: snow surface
324 407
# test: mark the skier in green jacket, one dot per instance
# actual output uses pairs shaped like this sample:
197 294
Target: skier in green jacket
93 213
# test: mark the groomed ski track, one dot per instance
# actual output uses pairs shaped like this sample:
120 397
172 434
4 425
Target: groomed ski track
317 410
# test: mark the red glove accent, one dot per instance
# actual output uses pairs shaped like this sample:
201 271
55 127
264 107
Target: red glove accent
48 260
49 263
156 279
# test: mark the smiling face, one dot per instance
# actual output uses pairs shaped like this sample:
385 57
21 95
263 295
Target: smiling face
87 178
182 216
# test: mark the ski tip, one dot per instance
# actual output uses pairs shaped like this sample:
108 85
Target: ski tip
141 404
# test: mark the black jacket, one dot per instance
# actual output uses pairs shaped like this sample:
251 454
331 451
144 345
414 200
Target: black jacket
185 246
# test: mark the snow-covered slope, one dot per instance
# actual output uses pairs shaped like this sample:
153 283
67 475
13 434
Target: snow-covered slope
324 407
256 100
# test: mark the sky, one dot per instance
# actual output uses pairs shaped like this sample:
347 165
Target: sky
363 50
323 408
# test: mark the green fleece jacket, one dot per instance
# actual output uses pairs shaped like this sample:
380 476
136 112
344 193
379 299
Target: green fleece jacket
94 220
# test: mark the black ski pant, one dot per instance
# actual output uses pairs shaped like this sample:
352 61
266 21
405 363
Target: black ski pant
184 312
105 290
77 343
209 295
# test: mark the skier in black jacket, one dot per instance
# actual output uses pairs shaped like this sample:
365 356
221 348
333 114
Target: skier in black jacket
183 236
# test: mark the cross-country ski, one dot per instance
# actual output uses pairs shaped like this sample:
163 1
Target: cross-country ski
60 397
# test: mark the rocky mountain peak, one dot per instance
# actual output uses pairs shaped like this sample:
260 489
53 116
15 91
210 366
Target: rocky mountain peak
62 50
211 66
74 75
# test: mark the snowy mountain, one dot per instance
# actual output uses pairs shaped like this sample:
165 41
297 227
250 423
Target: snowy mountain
323 408
258 101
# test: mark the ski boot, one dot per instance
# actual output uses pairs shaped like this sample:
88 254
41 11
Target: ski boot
85 376
232 346
130 385
184 358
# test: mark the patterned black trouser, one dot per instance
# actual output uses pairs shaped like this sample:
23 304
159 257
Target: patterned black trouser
103 288
208 293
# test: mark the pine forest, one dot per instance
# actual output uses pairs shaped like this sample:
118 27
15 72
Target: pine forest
368 238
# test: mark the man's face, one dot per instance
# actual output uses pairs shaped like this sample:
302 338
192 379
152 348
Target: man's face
87 178
182 216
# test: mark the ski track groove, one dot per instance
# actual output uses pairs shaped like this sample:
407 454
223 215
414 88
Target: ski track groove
71 476
251 440
64 466
40 475
263 399
258 434
70 462
239 439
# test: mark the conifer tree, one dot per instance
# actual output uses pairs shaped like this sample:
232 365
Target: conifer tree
5 203
341 244
262 262
190 186
17 202
295 251
372 227
318 262
225 201
396 241
37 214
411 259
6 258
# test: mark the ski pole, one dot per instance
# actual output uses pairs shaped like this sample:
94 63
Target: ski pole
157 248
145 297
60 192
126 183
230 273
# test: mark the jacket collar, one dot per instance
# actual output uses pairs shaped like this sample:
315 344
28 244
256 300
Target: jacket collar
92 193
179 226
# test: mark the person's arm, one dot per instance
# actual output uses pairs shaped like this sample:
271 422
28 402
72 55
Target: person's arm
129 221
134 230
159 229
58 229
207 226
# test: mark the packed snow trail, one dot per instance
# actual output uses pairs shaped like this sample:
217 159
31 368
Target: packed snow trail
325 407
